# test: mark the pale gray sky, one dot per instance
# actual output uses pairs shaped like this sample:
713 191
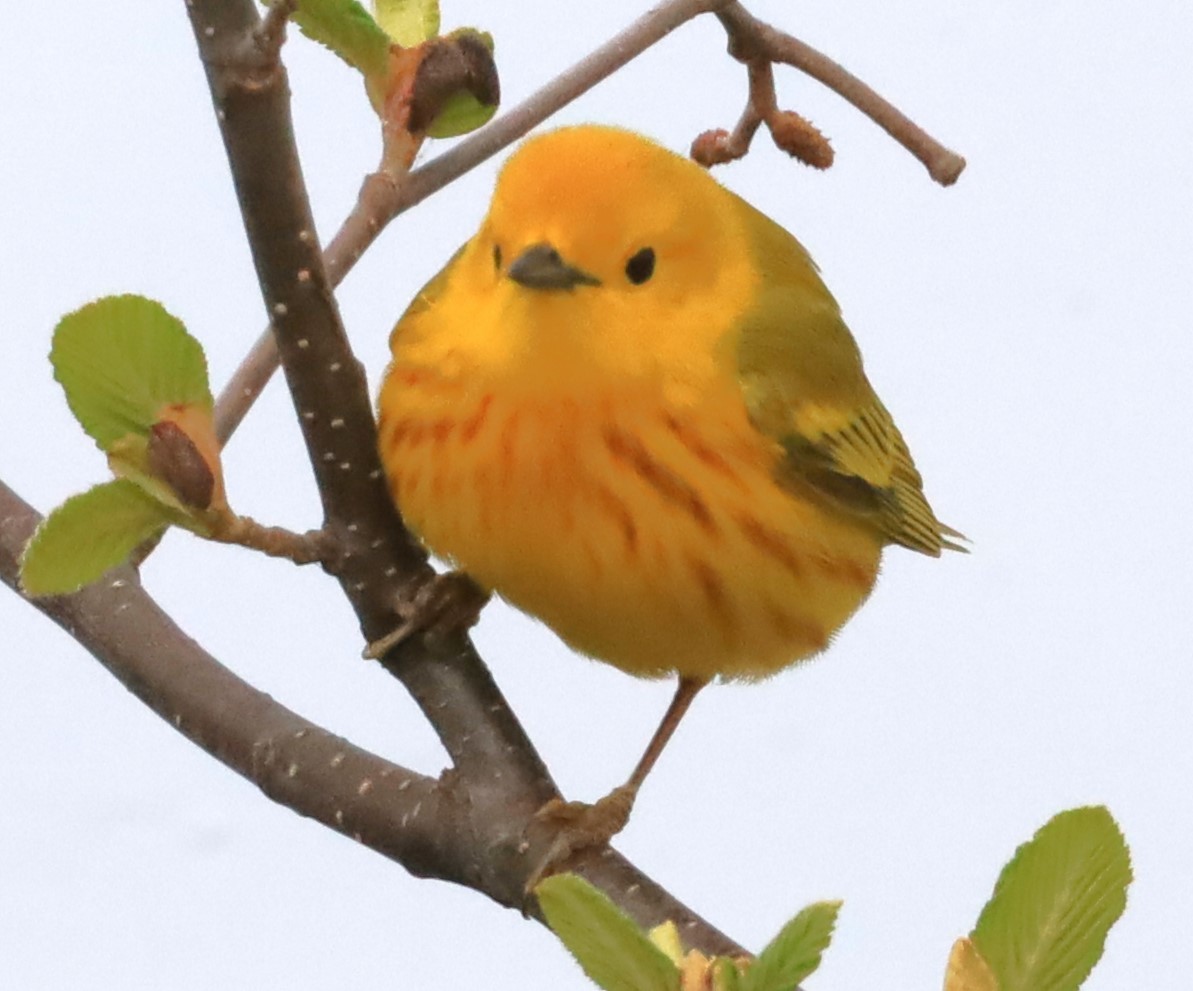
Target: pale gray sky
1029 328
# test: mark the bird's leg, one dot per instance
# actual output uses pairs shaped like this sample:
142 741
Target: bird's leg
581 825
685 692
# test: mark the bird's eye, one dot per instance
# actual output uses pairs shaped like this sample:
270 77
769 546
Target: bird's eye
641 267
497 257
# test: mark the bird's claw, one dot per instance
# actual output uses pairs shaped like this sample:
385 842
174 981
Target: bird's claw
580 826
444 602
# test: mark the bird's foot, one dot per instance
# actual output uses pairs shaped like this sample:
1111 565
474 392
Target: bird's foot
580 826
444 602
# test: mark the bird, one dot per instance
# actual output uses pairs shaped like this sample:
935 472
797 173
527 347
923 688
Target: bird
630 407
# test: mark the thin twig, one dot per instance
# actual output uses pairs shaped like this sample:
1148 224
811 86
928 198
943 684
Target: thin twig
271 32
750 39
478 147
382 198
247 383
312 547
790 131
719 146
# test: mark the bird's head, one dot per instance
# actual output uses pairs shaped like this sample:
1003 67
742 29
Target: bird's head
610 253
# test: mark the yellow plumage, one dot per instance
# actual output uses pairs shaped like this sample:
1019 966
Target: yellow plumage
688 473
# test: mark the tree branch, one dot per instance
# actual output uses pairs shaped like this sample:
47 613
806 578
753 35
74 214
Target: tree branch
380 567
292 760
439 829
496 770
475 826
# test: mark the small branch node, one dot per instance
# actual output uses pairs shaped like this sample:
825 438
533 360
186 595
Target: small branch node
270 34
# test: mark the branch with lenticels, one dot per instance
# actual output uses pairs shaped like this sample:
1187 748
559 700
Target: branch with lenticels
453 828
496 771
472 825
475 824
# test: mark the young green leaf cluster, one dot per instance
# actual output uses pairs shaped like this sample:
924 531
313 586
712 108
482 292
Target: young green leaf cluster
1043 929
618 956
439 86
137 383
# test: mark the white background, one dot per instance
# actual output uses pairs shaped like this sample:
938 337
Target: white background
1029 328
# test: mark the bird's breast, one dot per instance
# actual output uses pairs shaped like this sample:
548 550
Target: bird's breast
651 537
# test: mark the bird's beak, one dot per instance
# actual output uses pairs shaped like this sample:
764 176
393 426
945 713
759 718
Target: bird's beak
542 267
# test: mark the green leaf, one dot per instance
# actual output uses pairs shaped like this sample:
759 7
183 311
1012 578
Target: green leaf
88 534
1045 926
408 22
462 112
795 952
726 976
121 359
610 948
347 29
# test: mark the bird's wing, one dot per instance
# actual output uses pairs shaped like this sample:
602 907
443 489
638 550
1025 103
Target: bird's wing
803 384
858 460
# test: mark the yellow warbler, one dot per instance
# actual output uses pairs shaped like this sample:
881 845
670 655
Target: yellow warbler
630 407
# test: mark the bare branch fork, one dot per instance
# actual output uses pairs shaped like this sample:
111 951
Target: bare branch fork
427 826
475 824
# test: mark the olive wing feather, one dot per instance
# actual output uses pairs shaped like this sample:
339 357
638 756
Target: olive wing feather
804 386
